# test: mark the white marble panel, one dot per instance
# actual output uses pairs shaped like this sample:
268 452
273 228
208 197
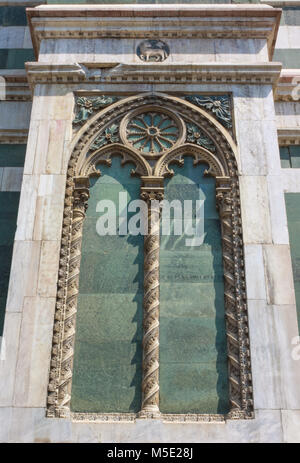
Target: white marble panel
30 425
52 102
27 208
279 276
288 37
287 114
49 207
279 226
32 372
291 426
5 423
8 359
47 280
255 280
275 373
255 210
290 180
240 50
24 273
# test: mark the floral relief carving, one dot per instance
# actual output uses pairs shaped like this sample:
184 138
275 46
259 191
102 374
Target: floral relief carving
218 105
195 135
206 142
86 106
110 135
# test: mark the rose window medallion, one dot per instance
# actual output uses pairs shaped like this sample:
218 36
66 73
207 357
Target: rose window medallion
152 132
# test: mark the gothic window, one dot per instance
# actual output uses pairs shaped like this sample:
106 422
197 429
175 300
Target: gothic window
161 327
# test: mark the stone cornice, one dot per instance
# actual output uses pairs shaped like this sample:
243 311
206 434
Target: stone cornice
216 73
288 136
152 21
281 3
16 85
14 136
288 87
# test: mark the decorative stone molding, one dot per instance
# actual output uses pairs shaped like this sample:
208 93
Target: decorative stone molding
51 73
220 156
208 73
64 325
13 136
16 85
153 22
288 87
288 136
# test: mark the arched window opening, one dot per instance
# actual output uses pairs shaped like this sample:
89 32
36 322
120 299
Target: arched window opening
193 353
108 344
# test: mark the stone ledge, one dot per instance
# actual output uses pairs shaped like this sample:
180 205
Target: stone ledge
289 136
243 74
13 136
286 87
151 21
16 85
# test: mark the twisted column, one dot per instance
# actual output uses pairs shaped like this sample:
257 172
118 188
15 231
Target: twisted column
61 383
150 381
235 305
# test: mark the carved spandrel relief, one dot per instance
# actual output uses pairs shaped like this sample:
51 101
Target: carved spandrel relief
86 106
219 106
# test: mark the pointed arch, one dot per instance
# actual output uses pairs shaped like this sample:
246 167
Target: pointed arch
83 163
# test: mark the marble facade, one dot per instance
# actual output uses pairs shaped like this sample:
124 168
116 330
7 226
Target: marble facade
92 51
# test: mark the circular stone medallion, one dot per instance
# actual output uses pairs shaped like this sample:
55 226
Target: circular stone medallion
153 50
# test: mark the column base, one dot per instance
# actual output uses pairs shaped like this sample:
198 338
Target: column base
149 412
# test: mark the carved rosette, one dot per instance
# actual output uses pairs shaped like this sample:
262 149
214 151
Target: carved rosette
60 390
150 382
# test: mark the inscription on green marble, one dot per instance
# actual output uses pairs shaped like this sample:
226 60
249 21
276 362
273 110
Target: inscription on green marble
193 358
108 354
9 203
292 201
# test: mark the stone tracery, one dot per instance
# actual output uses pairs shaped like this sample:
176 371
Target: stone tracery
95 144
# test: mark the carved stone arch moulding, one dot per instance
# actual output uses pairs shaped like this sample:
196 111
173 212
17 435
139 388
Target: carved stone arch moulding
152 131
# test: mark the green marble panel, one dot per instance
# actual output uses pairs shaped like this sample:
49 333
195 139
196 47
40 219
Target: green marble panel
9 202
14 58
194 387
292 201
13 16
295 155
289 57
193 357
12 155
285 157
108 350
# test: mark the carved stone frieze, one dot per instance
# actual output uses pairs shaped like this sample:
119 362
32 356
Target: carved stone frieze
220 156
